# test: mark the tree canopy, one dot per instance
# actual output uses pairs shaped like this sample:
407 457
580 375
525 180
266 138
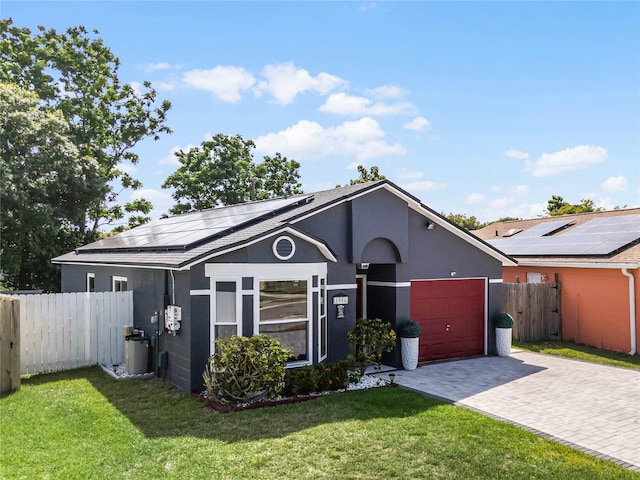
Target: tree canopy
74 78
43 183
465 221
222 171
558 206
371 175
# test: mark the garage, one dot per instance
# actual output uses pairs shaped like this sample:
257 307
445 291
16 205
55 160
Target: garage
451 314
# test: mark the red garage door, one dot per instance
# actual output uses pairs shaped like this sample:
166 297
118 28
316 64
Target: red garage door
451 315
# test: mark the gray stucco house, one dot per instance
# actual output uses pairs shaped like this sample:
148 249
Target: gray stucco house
300 269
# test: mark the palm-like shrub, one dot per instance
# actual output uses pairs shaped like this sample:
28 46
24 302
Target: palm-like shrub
371 338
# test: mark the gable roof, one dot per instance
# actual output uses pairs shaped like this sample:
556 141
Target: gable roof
607 239
148 248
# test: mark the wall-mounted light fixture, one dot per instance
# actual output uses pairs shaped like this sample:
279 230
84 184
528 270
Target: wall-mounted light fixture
430 225
363 266
454 274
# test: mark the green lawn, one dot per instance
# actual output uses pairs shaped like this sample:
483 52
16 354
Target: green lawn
582 352
84 424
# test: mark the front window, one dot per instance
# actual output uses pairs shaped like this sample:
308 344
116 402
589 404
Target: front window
119 284
284 314
226 311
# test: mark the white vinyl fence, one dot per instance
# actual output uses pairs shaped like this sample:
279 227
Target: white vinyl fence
61 331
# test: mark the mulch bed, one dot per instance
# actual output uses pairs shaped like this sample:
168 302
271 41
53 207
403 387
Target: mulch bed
226 408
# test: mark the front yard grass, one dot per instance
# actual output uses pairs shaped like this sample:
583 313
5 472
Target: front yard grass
84 424
581 352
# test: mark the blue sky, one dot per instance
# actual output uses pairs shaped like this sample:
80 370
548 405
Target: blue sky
481 108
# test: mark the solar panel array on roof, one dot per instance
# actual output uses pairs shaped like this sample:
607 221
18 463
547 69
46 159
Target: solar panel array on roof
184 231
600 236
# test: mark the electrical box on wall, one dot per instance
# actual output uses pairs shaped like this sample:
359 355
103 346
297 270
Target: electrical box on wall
173 319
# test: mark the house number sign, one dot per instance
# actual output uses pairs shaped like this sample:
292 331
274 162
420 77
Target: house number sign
340 301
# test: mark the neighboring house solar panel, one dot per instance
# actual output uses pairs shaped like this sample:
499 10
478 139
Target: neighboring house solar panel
183 231
543 229
600 236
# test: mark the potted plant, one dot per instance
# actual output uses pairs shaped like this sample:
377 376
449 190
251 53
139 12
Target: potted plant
504 326
409 341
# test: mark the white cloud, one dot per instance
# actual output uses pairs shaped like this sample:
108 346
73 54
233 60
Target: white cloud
418 124
165 86
388 91
343 104
516 154
404 174
364 7
154 196
615 184
361 139
161 200
154 67
225 82
171 159
317 186
475 198
567 160
502 202
495 188
127 168
424 186
137 88
285 81
518 190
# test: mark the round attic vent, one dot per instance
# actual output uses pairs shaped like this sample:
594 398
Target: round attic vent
284 248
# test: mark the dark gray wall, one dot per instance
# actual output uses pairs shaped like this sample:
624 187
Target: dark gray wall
378 228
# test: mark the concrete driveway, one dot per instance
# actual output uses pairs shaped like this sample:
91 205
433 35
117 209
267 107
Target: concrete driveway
591 407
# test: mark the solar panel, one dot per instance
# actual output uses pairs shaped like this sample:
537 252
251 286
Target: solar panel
183 231
543 229
599 236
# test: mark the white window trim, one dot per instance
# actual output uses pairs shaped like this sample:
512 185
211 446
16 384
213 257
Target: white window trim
212 308
115 279
89 276
322 292
272 272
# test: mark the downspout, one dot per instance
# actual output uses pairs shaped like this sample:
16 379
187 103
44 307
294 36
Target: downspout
632 310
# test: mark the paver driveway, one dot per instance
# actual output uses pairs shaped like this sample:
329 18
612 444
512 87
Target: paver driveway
592 407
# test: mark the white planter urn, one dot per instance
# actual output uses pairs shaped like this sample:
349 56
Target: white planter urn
503 341
409 348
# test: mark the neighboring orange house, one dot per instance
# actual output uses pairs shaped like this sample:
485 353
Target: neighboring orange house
597 259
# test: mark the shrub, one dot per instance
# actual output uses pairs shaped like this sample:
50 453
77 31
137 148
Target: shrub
371 338
409 329
503 320
317 378
246 369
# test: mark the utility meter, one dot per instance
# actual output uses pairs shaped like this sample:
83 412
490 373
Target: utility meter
173 319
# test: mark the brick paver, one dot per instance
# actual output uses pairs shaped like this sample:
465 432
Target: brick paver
592 407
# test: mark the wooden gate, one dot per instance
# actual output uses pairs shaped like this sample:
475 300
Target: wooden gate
536 310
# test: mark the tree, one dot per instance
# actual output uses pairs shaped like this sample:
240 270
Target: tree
75 79
222 171
557 206
44 181
464 221
366 176
77 75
